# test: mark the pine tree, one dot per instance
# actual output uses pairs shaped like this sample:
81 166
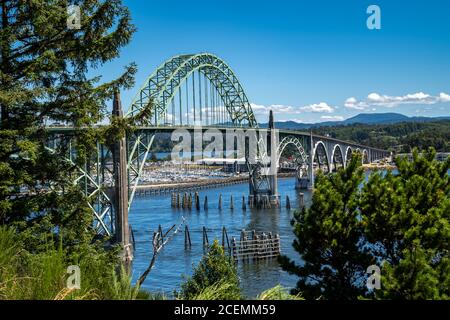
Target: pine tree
215 272
44 71
407 225
328 238
399 221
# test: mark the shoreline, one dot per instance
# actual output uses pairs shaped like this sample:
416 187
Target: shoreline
164 188
373 166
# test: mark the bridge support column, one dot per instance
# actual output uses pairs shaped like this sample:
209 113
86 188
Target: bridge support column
274 197
263 175
311 163
120 192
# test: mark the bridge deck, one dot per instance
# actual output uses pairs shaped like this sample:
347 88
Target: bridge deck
66 130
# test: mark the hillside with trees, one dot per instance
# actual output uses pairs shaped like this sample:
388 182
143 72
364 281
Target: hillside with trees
398 137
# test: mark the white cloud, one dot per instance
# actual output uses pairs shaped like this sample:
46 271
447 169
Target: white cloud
444 97
332 118
318 107
376 99
352 103
321 107
276 108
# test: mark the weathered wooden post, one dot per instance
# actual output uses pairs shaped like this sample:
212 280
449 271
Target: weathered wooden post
270 244
205 238
277 244
288 203
205 204
233 243
187 238
231 203
185 201
244 207
302 200
190 201
254 243
220 202
120 190
197 201
225 240
242 245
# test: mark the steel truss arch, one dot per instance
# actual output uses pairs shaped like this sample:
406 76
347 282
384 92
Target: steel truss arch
296 142
161 87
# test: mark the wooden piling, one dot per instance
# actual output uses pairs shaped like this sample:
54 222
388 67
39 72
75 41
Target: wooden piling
205 204
185 201
288 203
205 238
187 238
233 244
220 202
302 200
190 201
197 201
225 240
231 203
172 200
254 244
244 207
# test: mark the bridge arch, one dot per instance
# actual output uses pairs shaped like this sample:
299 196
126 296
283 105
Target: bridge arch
302 167
165 82
290 140
365 156
348 154
337 156
320 151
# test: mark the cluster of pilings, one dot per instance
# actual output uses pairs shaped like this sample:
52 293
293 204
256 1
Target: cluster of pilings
189 201
254 247
259 246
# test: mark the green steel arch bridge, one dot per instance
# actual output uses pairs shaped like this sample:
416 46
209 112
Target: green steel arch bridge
196 93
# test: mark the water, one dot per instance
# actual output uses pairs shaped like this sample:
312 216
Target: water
173 261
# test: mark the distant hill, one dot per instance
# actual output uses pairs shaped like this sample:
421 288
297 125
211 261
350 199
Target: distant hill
363 118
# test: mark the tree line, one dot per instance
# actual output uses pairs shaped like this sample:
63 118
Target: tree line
399 137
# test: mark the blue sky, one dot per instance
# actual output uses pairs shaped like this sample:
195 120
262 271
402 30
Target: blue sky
309 61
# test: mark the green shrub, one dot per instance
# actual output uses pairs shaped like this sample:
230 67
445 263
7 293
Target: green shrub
215 277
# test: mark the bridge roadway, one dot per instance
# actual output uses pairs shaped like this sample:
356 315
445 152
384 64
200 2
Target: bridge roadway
331 145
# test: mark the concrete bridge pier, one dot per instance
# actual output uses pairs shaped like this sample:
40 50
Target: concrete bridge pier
263 177
274 197
310 181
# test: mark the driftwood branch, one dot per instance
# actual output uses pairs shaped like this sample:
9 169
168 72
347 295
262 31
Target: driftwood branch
157 247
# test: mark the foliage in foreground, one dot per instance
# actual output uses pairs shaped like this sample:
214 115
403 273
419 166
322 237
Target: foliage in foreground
278 293
46 73
43 275
214 278
401 222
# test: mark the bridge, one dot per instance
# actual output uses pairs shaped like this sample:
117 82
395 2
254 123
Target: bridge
197 94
